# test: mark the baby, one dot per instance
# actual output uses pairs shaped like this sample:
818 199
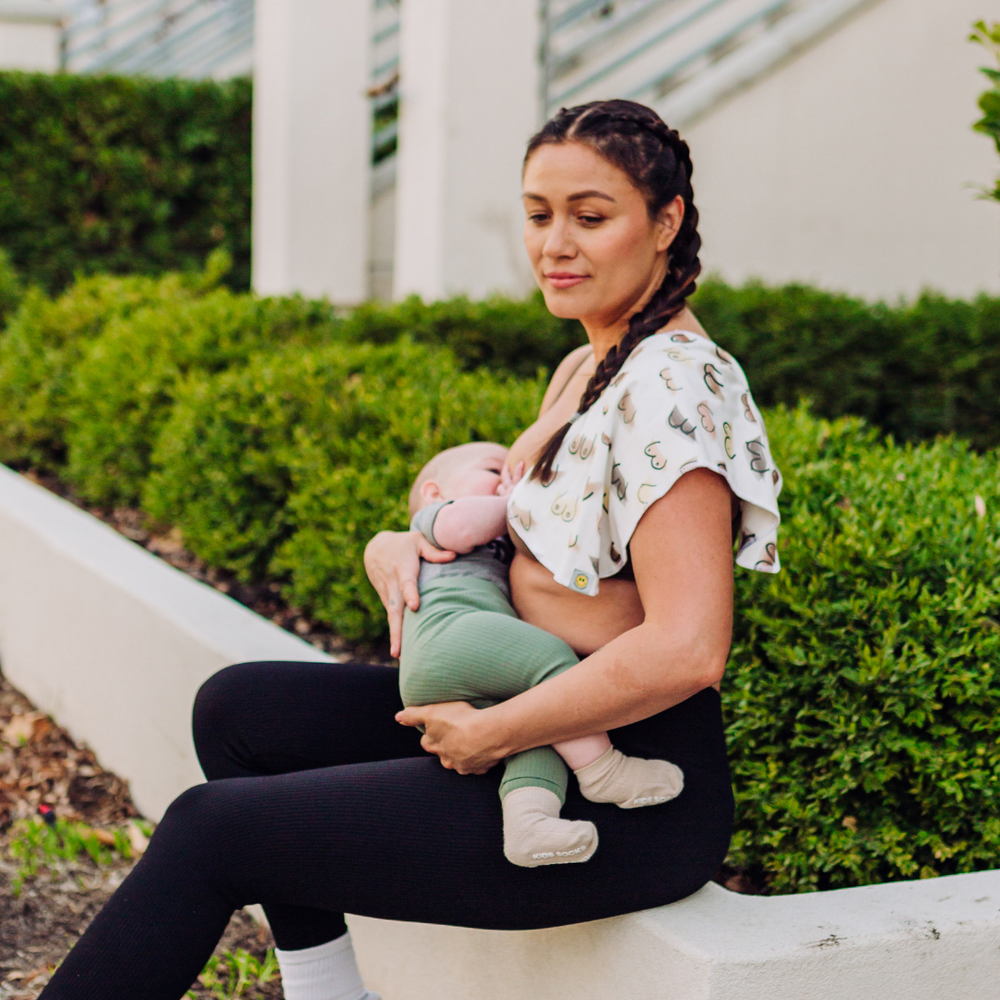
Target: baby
466 643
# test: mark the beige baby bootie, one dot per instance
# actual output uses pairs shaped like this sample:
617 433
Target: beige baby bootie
630 782
534 834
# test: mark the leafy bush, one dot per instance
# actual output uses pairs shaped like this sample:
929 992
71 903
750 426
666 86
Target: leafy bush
123 174
47 338
124 386
292 463
337 506
915 370
864 680
989 102
11 289
504 334
862 690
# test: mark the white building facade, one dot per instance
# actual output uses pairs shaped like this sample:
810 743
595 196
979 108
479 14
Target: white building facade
832 140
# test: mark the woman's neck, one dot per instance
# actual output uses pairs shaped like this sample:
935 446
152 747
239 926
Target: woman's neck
603 337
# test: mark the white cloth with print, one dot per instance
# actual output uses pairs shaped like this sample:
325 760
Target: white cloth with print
678 403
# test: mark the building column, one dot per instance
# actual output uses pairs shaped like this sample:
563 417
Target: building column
469 101
311 148
29 35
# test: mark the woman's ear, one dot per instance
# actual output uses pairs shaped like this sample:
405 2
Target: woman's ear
669 220
430 492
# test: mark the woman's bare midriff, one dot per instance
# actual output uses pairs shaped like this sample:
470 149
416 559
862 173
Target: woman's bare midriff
585 623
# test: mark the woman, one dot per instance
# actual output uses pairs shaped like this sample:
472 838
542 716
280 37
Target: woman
329 805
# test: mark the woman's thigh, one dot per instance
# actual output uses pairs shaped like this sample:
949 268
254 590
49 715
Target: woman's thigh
406 839
277 717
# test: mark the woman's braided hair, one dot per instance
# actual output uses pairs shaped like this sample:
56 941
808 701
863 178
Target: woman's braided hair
658 162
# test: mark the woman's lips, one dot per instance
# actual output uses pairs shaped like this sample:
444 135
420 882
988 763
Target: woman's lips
565 279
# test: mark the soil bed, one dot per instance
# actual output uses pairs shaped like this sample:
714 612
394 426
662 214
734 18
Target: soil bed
41 767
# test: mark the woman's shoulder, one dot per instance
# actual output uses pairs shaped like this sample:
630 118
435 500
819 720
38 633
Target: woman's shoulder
685 359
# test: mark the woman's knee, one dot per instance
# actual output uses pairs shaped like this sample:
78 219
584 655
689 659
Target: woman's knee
219 712
200 829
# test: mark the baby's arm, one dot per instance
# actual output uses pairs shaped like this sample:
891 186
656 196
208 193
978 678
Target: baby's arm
470 521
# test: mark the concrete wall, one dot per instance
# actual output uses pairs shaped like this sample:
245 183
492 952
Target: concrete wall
311 148
468 104
854 166
29 35
114 642
931 940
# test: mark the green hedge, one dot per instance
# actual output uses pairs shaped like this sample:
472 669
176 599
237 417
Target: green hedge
863 688
914 370
290 464
123 174
47 339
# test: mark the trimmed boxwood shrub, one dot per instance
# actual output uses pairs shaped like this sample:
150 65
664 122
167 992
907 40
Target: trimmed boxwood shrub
123 174
124 386
46 340
863 688
914 370
271 466
507 335
862 692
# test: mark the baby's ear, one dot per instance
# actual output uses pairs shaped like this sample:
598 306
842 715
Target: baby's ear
430 492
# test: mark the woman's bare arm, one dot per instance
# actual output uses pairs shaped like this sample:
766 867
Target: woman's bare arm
683 562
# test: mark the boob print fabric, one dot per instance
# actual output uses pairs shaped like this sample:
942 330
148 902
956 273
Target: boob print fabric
679 403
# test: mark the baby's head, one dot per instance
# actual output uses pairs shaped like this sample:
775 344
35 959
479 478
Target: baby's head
466 471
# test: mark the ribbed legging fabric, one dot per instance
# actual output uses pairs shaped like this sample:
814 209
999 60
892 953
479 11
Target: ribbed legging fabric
318 803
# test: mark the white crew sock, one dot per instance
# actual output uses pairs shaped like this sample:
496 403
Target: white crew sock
327 972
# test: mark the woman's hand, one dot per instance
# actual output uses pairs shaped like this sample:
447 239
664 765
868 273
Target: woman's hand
454 732
392 562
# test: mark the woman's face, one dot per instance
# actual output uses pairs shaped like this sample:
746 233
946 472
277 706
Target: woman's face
596 253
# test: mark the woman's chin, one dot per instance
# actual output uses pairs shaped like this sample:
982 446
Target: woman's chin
563 303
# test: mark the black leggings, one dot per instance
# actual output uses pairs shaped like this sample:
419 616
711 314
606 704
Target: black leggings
318 803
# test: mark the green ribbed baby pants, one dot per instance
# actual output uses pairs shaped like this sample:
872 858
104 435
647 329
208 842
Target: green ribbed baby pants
465 643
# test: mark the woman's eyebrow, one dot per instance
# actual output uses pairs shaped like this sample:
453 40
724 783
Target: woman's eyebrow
590 194
579 196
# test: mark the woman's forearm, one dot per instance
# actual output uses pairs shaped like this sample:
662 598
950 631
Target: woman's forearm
645 671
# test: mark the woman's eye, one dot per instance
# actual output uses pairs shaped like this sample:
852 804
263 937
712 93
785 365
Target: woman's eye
538 218
590 220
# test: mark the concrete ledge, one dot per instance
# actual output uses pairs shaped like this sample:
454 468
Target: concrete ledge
929 940
114 643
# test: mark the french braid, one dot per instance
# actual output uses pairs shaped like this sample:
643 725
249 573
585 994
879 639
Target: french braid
657 160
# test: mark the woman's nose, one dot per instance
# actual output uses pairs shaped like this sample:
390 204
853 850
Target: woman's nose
559 243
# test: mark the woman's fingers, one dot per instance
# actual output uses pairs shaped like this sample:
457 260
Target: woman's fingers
449 733
410 717
394 613
392 562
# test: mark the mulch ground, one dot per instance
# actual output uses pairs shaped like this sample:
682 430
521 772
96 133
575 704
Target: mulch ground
41 766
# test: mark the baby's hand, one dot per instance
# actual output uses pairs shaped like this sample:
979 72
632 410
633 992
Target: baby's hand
509 481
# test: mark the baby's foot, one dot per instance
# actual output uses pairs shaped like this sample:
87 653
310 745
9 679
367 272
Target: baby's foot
630 782
534 834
